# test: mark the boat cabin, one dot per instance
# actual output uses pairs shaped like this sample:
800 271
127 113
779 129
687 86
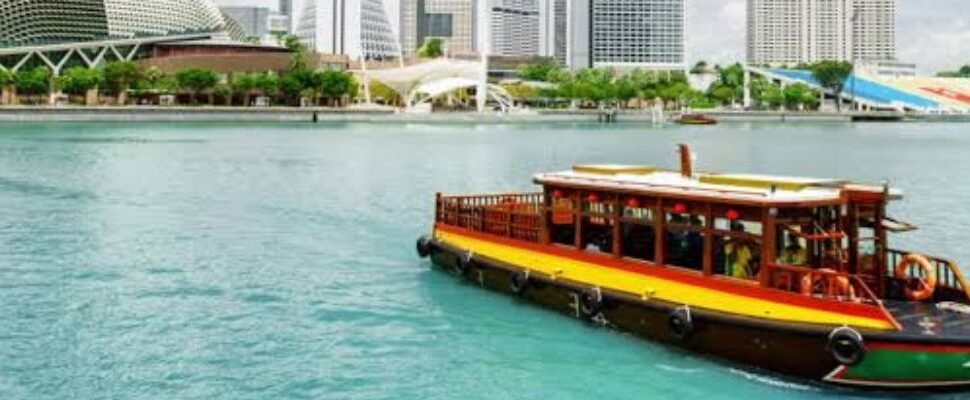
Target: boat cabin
826 238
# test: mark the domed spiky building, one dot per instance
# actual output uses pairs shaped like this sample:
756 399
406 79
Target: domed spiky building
45 22
60 34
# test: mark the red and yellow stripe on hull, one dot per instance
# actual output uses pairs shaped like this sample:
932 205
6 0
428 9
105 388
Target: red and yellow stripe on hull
667 284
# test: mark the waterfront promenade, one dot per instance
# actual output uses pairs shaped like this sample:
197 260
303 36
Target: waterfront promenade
387 115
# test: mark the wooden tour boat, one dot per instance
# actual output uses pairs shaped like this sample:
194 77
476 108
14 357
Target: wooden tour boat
696 119
789 275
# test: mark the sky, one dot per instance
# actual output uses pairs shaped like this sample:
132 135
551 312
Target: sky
935 34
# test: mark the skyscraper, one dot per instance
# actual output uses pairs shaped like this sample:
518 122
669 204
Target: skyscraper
796 31
649 34
515 27
355 28
454 21
286 7
638 33
286 14
874 30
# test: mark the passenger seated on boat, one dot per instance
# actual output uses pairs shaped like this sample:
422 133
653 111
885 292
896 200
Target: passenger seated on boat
685 242
834 253
738 255
793 253
695 244
676 240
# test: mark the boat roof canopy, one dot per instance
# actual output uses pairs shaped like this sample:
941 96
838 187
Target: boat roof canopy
762 189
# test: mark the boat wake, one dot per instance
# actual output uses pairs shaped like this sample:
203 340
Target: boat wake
680 370
771 381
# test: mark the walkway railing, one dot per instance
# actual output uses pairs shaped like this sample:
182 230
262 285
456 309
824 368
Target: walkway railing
515 216
821 283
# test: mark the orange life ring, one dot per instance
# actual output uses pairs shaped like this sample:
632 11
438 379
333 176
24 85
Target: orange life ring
926 286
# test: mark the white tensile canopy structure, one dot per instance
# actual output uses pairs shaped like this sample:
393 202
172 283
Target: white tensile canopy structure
422 83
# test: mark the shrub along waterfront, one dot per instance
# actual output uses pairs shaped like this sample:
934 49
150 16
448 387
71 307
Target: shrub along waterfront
122 82
638 89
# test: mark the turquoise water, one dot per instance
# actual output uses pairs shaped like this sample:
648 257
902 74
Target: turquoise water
219 261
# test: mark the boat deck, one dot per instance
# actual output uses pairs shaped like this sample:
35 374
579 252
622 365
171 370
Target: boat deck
942 320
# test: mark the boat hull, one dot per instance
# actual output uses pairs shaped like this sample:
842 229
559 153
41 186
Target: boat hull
796 350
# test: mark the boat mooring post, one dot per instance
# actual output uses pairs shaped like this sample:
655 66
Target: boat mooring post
316 117
686 163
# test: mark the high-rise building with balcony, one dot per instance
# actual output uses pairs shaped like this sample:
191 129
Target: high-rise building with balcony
804 31
515 27
625 34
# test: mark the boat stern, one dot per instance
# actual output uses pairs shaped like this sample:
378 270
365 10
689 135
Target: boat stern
890 365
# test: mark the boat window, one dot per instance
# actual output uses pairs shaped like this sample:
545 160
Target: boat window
867 240
597 223
637 226
563 218
792 248
684 243
737 246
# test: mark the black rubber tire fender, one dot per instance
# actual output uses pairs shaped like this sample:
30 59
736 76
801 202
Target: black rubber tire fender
464 263
424 247
680 324
846 346
518 282
590 302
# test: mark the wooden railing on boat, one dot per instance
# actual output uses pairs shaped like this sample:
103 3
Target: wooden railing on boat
949 277
821 283
515 216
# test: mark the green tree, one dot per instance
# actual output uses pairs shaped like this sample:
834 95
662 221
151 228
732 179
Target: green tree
963 72
33 81
224 92
154 80
119 77
674 92
799 94
432 48
6 78
294 84
196 81
299 52
832 76
732 76
625 90
244 85
336 84
774 96
267 84
722 94
542 70
78 80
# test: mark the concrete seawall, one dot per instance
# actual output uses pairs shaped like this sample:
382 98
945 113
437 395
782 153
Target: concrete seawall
287 114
